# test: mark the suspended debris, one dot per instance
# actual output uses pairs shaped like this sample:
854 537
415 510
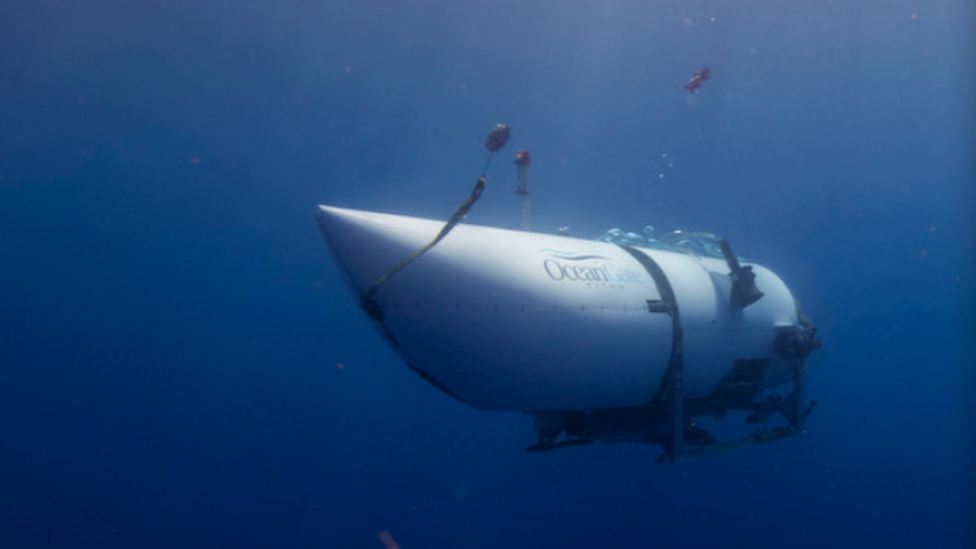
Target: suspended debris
696 80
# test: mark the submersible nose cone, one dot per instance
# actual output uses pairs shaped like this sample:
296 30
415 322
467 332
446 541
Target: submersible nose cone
365 245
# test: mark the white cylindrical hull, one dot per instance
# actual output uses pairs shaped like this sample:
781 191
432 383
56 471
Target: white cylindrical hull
510 320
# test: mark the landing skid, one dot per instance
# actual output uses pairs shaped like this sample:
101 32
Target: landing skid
669 421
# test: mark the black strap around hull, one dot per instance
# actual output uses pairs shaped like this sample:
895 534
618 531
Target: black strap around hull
671 393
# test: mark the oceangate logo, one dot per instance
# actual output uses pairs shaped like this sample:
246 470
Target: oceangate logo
579 267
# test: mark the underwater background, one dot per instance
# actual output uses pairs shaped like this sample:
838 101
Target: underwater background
182 366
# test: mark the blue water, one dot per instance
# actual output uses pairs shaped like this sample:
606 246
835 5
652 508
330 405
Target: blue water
172 328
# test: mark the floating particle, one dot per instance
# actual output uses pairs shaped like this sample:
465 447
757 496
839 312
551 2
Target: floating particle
340 366
387 540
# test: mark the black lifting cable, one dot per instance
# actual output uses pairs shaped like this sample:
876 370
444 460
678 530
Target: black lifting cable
494 143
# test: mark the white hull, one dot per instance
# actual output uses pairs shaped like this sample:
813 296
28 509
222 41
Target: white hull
510 320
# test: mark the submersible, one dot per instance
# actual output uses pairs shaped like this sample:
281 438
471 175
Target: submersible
600 341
